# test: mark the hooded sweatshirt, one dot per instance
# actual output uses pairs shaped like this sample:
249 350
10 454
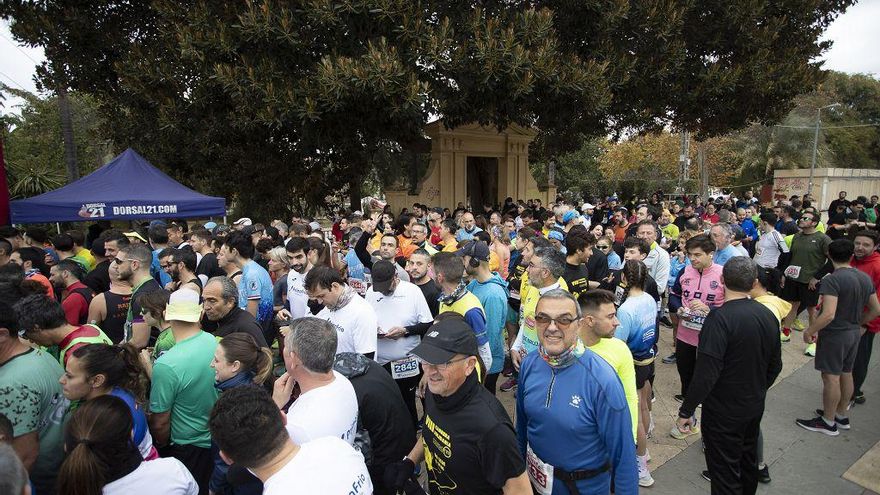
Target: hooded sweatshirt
493 296
871 266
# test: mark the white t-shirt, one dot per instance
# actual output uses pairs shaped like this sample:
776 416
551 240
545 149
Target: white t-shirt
328 411
355 324
323 466
768 249
297 298
167 476
407 306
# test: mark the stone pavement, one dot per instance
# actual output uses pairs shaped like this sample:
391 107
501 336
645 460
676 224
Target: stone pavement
801 462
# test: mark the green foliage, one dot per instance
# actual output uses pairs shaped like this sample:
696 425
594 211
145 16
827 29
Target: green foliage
296 100
33 144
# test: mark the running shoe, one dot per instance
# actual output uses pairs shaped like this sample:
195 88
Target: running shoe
705 475
670 359
841 423
678 398
798 325
645 478
509 385
665 321
650 432
764 474
859 398
818 425
810 350
785 335
678 434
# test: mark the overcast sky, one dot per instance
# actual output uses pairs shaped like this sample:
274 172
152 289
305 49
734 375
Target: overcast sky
855 50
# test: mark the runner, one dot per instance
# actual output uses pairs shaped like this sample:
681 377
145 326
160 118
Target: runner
449 270
352 317
200 240
722 235
739 358
94 370
255 286
109 308
75 296
698 289
579 248
417 267
809 249
771 245
31 399
132 265
403 317
249 432
845 295
221 308
866 259
468 443
468 228
33 261
573 424
180 264
638 328
102 459
492 293
43 322
179 415
545 268
327 405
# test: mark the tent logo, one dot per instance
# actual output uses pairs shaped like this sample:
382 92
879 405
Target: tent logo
92 210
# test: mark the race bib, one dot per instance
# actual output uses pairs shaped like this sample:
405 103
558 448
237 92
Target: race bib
793 271
691 320
404 368
540 473
695 323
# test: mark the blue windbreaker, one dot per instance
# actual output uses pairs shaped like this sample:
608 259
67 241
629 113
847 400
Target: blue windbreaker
577 418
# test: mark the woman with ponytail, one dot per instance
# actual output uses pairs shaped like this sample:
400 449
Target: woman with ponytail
95 370
238 361
638 328
103 460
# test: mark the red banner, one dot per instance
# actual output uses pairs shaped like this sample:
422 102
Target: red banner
4 190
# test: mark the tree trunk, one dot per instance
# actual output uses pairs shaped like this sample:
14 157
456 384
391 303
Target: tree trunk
67 135
355 194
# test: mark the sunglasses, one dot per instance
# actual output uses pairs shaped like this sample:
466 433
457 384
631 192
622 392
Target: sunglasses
119 261
562 322
602 247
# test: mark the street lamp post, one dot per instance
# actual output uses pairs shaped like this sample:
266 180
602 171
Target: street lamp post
816 144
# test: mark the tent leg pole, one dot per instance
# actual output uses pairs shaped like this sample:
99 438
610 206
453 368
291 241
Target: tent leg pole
224 218
58 227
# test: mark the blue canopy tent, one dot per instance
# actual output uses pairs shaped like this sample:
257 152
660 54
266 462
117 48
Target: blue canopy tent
127 188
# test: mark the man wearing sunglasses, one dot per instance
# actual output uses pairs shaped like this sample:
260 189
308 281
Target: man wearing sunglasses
572 420
468 442
132 265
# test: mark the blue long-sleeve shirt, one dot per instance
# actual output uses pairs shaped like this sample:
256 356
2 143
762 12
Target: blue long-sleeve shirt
577 418
493 296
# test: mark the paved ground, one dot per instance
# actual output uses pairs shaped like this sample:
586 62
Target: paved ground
801 462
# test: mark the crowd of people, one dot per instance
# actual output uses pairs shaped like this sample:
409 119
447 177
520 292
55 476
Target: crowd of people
178 357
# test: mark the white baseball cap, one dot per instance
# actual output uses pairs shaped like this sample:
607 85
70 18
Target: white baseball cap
243 221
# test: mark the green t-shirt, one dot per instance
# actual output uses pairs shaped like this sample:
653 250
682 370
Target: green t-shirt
183 383
30 396
164 341
808 255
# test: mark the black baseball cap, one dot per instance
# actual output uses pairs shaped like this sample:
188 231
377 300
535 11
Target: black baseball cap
383 276
445 339
478 250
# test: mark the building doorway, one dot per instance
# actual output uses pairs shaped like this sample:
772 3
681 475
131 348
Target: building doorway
482 182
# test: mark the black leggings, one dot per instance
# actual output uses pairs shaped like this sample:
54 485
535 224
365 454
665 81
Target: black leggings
685 361
408 388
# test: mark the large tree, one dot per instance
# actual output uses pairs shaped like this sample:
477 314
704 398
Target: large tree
299 99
